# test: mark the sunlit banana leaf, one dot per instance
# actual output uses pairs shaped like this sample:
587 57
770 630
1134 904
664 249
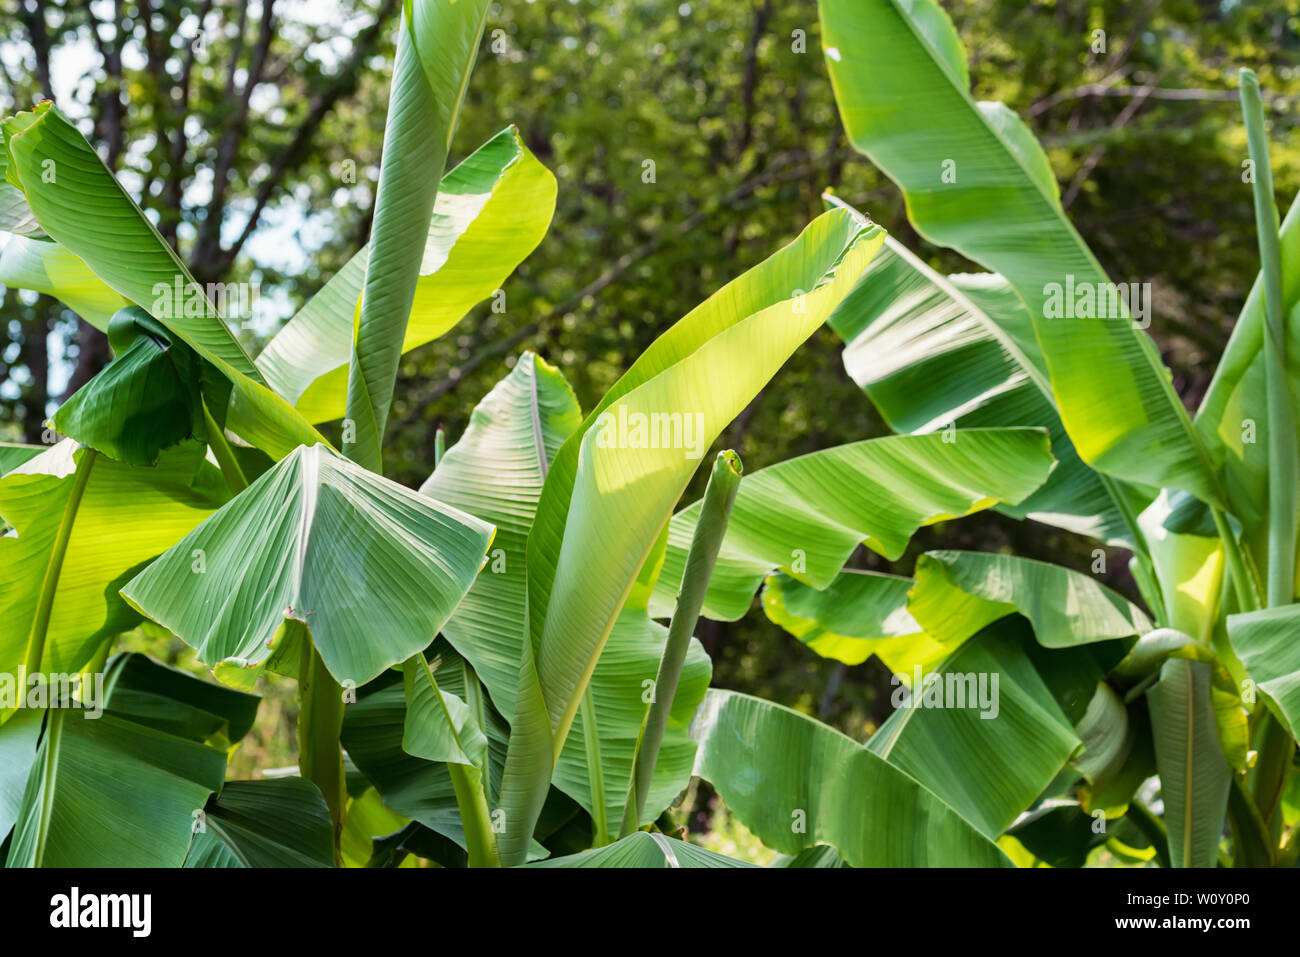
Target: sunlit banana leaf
279 822
958 593
1190 567
13 454
983 732
495 472
115 518
933 351
436 49
858 615
85 209
976 180
643 849
607 495
371 568
805 516
491 212
19 737
45 266
796 782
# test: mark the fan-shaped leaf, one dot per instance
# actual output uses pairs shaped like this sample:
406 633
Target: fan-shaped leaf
371 568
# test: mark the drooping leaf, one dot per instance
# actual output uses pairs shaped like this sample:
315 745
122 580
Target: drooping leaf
145 400
977 181
439 725
372 569
115 518
491 212
857 615
608 495
88 212
1107 736
153 694
933 351
796 782
958 593
805 516
275 822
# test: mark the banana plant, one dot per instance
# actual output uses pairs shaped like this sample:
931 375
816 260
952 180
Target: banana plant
1172 725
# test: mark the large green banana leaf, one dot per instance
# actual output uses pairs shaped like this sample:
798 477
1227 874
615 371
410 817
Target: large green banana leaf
84 524
277 822
436 49
491 212
958 593
796 782
1194 776
858 615
1266 641
85 209
983 732
611 488
1233 414
933 351
976 180
372 569
643 849
44 266
805 516
496 472
123 789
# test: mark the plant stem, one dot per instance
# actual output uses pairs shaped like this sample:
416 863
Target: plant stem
224 454
705 545
1251 843
320 721
595 770
54 567
1276 746
439 447
1152 828
466 780
1282 459
1242 583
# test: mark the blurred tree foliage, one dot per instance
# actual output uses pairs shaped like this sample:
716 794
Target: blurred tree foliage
690 141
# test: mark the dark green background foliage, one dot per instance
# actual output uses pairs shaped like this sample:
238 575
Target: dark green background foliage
249 179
